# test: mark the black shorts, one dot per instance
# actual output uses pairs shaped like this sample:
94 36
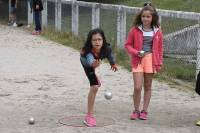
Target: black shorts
90 73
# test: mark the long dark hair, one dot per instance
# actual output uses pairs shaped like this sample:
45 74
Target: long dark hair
155 17
88 44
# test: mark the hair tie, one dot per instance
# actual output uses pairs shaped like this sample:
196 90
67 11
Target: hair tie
147 4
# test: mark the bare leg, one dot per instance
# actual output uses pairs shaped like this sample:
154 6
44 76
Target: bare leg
138 80
91 98
12 17
147 89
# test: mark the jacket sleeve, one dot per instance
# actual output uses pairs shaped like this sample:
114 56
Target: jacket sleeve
129 43
161 48
110 56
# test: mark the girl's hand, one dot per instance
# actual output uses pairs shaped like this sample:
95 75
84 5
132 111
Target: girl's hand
37 7
160 69
96 63
114 68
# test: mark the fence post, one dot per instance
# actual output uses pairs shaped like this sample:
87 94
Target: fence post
121 26
75 19
9 8
160 20
44 14
58 12
198 49
95 16
30 14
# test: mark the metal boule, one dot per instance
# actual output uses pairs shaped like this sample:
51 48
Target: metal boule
141 53
108 95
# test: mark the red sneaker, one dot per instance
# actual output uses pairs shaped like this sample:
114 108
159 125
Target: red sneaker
143 115
135 115
36 33
90 121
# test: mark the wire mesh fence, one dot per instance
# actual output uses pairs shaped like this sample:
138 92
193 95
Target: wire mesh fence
180 47
4 10
180 35
66 18
51 14
84 20
108 22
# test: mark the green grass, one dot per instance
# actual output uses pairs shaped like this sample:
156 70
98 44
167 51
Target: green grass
122 58
178 69
181 5
64 38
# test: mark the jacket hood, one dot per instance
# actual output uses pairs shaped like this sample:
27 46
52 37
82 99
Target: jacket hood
155 29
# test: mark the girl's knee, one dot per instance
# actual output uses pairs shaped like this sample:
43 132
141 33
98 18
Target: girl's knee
137 89
147 89
94 88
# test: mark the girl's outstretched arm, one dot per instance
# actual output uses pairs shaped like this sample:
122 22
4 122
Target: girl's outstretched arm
111 60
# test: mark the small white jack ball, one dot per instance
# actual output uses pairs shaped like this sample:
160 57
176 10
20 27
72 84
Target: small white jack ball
31 121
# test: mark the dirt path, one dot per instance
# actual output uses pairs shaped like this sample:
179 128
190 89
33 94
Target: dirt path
43 79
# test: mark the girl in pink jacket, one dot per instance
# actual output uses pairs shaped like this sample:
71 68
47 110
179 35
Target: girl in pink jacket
144 44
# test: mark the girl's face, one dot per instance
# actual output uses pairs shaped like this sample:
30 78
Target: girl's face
146 18
97 41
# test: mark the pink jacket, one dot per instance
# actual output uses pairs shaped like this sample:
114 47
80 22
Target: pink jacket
134 44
